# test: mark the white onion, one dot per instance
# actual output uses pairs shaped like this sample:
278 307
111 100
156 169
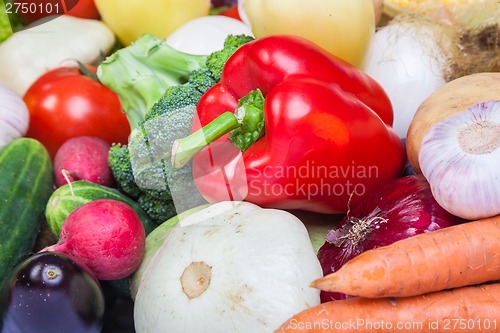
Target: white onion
406 60
14 116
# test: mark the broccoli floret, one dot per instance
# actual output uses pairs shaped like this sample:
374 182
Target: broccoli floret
157 205
216 61
175 97
202 80
119 161
180 96
140 73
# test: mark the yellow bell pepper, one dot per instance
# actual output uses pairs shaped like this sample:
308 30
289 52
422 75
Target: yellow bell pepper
343 27
129 19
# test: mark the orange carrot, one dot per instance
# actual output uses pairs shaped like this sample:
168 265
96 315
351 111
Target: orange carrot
471 309
461 255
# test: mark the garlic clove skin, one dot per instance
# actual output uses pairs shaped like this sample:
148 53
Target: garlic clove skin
460 158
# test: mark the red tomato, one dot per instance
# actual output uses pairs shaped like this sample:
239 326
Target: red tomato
232 12
33 10
63 104
85 9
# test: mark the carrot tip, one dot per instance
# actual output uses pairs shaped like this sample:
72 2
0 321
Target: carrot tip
318 283
326 283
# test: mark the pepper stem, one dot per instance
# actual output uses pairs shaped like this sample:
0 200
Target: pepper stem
184 149
246 125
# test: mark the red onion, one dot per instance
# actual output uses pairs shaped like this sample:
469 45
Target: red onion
398 209
220 3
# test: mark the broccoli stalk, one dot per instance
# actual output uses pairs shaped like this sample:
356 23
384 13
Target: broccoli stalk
143 169
141 72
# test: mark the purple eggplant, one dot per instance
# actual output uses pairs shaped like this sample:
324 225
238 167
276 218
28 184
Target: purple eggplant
49 292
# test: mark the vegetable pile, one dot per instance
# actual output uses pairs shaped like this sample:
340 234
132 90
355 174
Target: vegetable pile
238 166
159 88
263 82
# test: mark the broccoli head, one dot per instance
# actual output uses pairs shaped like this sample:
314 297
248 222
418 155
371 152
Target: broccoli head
202 80
175 98
151 149
143 169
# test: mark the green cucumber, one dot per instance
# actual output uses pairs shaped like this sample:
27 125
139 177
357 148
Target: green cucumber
26 183
68 197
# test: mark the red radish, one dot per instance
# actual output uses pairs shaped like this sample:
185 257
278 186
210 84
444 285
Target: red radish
105 235
83 158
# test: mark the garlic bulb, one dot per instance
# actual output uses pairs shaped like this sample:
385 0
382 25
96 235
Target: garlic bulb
460 157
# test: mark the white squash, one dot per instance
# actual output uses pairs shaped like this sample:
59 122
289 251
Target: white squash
231 267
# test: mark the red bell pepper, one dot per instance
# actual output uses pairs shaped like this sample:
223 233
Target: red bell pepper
310 131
